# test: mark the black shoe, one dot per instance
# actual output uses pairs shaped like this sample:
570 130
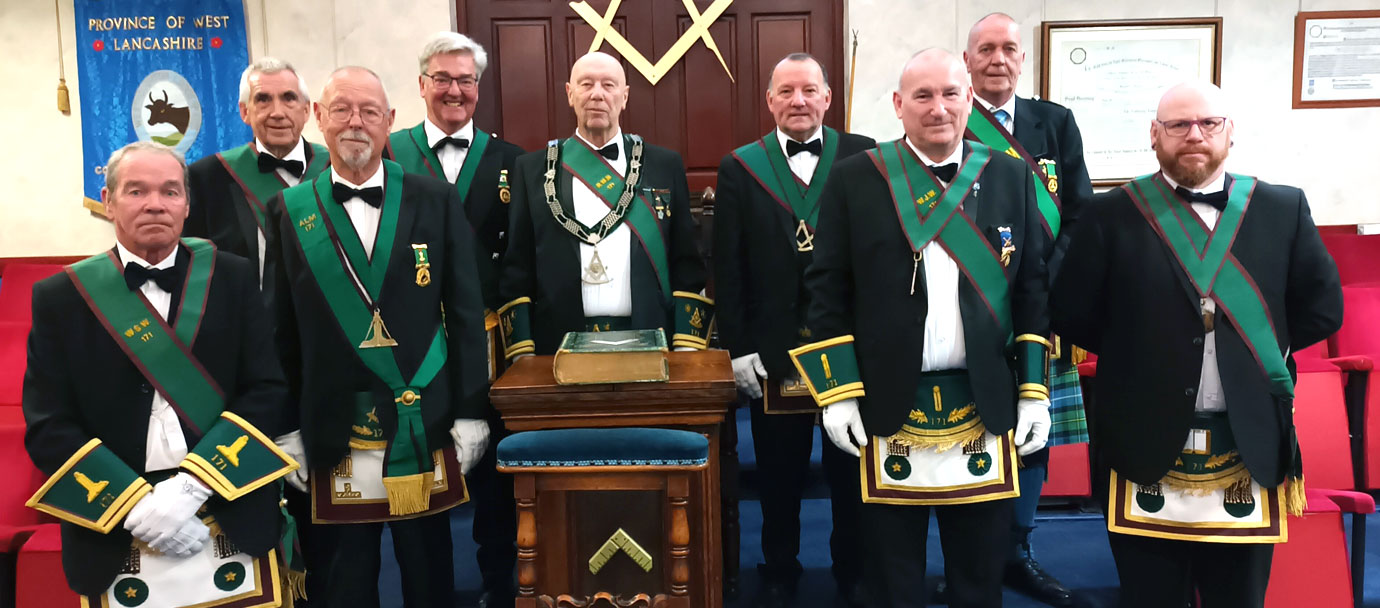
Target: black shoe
774 595
941 593
496 599
853 595
1026 576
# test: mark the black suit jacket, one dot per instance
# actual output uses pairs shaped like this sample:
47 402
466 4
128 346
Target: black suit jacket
860 284
218 211
1122 295
543 260
80 385
758 284
325 375
487 214
1047 131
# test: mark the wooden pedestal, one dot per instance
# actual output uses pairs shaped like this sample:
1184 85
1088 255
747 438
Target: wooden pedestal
696 398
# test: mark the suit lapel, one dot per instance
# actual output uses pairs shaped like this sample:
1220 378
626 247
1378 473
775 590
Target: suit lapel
402 241
1030 129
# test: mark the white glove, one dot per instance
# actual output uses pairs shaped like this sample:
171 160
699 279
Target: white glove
471 437
186 542
746 370
1032 425
291 443
841 420
160 514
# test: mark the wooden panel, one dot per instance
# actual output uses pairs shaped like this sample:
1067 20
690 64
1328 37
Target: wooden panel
774 37
528 99
704 128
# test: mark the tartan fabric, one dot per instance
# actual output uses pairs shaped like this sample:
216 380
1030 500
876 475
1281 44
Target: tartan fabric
1068 423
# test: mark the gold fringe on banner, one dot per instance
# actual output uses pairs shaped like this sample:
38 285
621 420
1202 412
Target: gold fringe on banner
64 103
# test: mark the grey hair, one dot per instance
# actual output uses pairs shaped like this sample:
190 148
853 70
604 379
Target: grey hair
117 158
271 65
823 73
386 104
442 43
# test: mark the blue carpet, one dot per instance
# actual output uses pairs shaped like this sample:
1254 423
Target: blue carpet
1070 544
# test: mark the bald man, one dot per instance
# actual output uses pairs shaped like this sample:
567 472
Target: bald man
1194 428
600 236
1046 137
381 330
928 276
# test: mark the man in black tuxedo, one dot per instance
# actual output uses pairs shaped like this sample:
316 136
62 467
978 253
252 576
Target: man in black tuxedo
447 145
1195 378
1046 137
142 361
613 246
229 190
928 261
765 210
381 327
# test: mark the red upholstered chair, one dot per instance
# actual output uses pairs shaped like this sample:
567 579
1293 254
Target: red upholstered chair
14 339
1311 569
41 582
1356 348
1324 441
1355 255
16 288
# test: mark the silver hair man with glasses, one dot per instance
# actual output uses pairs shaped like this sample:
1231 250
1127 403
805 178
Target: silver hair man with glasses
380 324
1194 286
447 145
150 394
229 190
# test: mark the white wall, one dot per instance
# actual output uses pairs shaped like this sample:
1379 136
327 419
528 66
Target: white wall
1303 148
41 211
40 182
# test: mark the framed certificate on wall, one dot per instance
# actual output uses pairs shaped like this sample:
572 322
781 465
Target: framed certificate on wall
1337 59
1111 74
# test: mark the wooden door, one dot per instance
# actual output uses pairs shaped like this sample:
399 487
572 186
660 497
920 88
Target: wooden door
695 109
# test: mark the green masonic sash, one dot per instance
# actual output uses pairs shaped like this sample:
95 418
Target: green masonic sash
593 171
408 468
983 127
930 212
766 163
163 354
410 149
1206 258
243 165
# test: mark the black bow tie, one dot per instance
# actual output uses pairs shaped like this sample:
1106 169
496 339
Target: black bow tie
167 279
814 146
373 195
458 142
945 172
610 151
1217 199
268 163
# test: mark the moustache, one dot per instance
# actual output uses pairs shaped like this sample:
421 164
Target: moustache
355 135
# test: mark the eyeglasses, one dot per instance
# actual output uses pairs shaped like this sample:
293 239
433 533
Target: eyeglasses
369 115
1211 125
443 81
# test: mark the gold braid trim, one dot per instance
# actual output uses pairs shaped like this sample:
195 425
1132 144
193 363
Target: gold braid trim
940 443
1202 485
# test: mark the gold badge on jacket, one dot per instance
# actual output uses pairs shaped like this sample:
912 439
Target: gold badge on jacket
1008 244
1051 179
504 193
423 264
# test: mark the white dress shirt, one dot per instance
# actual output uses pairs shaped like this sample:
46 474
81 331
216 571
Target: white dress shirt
299 154
803 164
164 446
944 343
1009 106
1210 397
451 157
363 216
614 298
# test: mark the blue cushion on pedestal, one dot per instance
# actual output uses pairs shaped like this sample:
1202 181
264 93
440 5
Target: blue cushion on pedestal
604 448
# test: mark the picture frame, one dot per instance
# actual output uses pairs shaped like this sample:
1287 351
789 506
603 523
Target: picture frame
1334 66
1111 75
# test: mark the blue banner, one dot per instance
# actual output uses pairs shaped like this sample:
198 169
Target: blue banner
158 70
